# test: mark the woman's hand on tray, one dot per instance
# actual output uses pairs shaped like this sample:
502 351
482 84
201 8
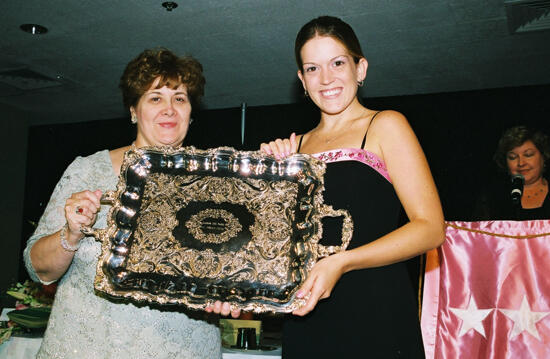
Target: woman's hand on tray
319 284
280 148
81 211
223 309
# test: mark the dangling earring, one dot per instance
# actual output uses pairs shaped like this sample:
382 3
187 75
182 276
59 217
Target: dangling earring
306 94
134 119
360 83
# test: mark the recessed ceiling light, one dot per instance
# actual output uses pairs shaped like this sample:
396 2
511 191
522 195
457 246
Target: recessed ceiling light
169 5
34 29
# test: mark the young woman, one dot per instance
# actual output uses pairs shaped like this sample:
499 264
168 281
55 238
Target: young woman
360 303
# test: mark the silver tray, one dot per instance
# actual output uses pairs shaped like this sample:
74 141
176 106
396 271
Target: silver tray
189 227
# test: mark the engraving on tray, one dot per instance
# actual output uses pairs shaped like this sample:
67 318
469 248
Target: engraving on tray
213 226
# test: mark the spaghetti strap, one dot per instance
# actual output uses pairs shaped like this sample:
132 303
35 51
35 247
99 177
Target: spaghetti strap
365 137
300 143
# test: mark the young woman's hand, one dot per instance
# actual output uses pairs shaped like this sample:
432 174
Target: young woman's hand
319 284
280 148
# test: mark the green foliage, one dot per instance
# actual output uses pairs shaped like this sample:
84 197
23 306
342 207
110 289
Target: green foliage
31 317
36 301
31 294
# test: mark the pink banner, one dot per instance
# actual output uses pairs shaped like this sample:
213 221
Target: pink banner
487 291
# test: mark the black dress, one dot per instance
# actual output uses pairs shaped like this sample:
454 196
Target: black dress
371 313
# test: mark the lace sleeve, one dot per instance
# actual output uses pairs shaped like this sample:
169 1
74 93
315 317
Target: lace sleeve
76 178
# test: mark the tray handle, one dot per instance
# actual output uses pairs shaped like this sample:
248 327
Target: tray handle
347 231
107 197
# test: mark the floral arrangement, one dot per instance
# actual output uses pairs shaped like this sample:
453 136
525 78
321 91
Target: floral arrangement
32 308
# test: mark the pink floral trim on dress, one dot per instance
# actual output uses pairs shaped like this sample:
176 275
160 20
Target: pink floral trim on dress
355 154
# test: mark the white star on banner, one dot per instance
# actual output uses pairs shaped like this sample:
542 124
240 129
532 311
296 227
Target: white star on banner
471 318
524 319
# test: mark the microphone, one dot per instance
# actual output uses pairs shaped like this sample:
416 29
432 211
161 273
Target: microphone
517 188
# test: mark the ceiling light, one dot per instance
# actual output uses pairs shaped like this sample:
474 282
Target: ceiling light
34 29
169 5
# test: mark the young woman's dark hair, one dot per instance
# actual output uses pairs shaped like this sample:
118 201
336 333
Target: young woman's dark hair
328 26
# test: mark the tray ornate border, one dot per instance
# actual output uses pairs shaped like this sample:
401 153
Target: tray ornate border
189 227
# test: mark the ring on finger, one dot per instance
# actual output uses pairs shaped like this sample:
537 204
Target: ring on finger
79 210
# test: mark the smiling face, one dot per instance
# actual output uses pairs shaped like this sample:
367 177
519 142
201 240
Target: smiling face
527 161
329 74
162 116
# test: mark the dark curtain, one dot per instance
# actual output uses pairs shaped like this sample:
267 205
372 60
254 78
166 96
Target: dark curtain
458 131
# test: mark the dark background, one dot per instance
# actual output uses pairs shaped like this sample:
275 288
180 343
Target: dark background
458 132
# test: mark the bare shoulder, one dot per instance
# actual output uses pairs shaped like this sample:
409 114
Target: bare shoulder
388 127
389 119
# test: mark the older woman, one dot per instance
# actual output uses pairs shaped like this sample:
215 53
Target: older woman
159 89
521 151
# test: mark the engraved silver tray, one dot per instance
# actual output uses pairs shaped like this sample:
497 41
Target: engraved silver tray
191 226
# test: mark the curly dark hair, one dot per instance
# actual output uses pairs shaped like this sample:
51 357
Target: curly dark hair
173 71
516 136
332 27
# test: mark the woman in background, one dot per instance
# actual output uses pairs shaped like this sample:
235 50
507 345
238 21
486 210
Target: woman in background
360 302
159 89
521 151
